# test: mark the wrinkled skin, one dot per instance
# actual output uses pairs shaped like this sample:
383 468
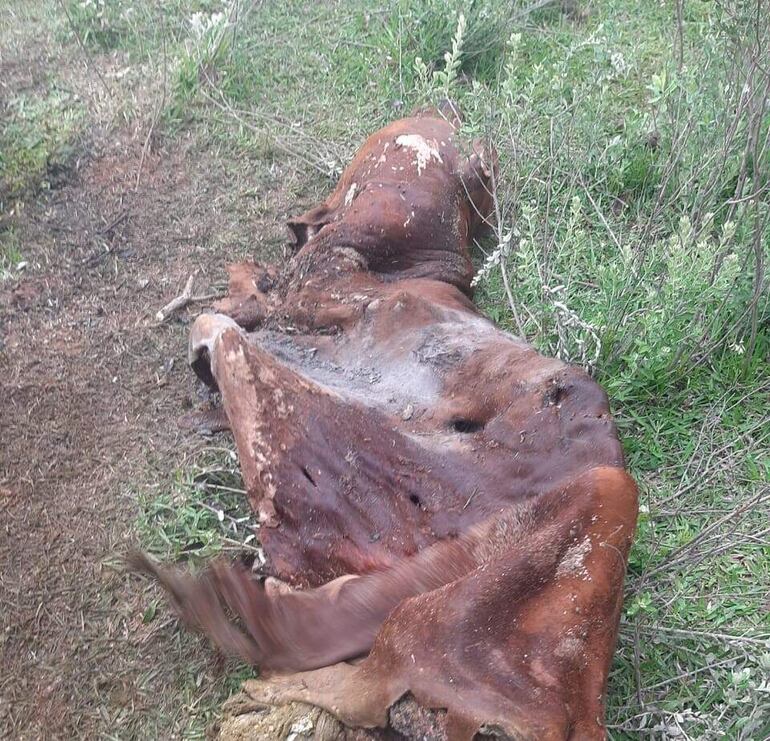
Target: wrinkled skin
433 493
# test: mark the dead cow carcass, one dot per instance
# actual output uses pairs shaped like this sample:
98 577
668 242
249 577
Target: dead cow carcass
432 491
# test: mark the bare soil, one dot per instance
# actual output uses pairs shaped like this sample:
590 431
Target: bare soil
92 391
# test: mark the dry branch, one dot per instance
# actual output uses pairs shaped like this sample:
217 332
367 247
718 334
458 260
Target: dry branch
183 299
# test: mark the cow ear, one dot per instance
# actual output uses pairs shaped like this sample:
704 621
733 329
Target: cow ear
305 226
484 159
300 232
304 231
478 178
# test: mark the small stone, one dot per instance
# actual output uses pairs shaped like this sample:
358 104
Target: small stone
408 412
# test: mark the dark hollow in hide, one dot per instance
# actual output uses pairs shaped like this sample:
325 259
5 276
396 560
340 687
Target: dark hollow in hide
432 491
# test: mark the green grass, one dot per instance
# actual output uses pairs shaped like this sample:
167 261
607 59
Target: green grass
202 514
36 141
10 254
634 232
139 27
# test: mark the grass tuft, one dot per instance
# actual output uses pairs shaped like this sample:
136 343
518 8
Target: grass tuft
10 254
36 141
203 514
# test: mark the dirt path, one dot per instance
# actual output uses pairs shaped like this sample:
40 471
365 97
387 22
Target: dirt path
92 390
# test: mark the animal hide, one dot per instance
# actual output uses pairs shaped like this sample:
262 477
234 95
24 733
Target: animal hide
434 494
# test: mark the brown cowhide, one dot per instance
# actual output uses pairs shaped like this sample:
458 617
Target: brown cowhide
434 494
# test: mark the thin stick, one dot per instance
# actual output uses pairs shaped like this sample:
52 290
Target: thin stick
504 255
470 498
763 642
220 487
177 303
601 216
223 105
247 546
673 558
118 220
82 46
218 512
155 118
638 664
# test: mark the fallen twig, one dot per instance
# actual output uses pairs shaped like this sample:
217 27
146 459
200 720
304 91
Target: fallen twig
473 494
183 299
321 165
723 637
676 556
82 46
177 303
122 216
156 117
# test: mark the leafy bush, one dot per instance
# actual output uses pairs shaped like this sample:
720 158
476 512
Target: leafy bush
137 25
613 233
426 29
103 24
